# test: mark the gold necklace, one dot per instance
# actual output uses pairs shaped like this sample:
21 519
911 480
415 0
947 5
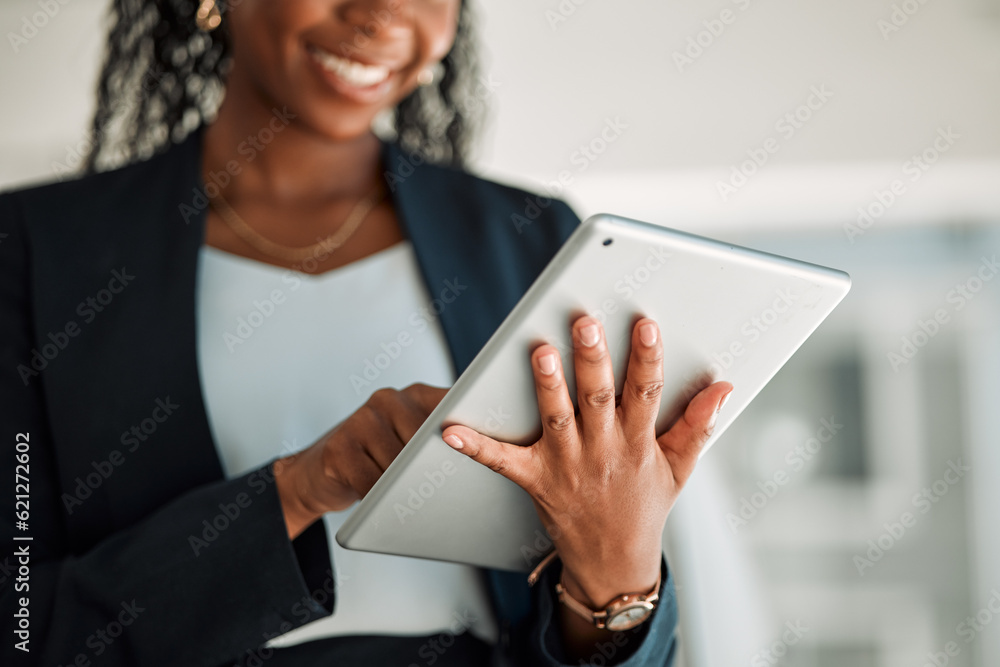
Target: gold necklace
298 254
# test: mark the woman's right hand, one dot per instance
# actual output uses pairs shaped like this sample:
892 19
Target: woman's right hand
343 465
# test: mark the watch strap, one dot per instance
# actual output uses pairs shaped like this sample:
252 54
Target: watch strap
599 618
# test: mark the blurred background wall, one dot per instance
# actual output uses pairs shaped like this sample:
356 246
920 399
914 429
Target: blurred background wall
861 135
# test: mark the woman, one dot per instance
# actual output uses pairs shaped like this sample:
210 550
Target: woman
188 345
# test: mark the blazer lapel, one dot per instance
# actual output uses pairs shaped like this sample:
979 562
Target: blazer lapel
436 214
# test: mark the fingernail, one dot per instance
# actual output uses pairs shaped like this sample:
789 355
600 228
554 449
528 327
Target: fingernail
547 364
454 441
647 334
589 335
722 403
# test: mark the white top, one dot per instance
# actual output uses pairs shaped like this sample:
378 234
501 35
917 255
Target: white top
284 357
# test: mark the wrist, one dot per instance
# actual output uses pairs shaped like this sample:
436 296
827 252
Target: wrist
296 499
598 587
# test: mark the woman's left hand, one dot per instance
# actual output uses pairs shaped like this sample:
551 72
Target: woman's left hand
601 481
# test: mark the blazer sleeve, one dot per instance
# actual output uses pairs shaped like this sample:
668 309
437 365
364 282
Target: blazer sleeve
536 642
539 644
147 594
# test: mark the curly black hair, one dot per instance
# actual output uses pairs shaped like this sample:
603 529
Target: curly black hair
163 77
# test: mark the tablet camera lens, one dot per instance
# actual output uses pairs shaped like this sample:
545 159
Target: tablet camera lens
607 241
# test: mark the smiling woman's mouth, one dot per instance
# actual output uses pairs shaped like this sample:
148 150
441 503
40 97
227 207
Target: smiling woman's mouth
350 72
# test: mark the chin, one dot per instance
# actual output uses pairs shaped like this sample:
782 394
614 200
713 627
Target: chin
334 122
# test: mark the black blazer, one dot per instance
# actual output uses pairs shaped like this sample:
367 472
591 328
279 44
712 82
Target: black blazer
98 370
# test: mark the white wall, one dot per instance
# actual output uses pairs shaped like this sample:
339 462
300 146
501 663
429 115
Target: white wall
687 128
615 58
560 81
47 85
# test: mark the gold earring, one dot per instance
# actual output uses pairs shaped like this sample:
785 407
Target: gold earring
426 77
208 17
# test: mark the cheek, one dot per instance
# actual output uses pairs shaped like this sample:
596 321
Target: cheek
264 36
437 30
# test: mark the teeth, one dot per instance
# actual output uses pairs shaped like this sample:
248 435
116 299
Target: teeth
352 72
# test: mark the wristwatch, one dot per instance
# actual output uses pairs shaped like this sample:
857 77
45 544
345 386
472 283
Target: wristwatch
623 613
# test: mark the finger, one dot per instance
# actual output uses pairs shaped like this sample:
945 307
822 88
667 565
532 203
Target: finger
595 381
554 404
406 410
383 438
516 463
643 383
425 395
683 442
362 472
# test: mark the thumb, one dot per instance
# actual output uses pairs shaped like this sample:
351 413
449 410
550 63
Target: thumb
514 462
683 442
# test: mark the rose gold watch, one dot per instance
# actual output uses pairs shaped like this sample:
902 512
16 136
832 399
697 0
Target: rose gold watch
623 613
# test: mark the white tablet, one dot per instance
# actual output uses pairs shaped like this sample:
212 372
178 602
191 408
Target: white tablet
725 313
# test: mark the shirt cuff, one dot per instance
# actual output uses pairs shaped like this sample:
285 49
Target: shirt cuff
651 643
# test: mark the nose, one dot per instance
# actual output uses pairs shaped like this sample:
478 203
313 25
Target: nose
379 20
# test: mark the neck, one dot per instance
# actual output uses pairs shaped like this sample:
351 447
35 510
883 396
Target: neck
268 153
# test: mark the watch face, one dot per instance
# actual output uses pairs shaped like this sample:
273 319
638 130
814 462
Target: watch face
628 617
